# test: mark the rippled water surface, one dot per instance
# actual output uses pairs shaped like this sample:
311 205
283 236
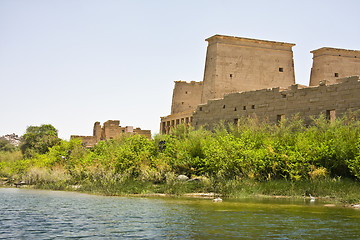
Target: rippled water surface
36 214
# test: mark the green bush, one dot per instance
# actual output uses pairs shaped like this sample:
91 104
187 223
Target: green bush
38 140
5 146
251 151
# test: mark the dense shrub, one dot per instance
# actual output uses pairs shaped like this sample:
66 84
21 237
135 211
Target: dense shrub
6 146
251 150
38 139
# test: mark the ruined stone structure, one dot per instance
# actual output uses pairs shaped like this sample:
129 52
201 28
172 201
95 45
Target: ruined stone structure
12 138
110 130
248 77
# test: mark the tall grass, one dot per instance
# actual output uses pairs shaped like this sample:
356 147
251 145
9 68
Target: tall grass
10 163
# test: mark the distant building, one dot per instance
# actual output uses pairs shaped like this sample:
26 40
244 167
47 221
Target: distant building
110 130
12 138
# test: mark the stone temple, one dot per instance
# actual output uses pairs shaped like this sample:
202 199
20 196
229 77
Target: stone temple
248 77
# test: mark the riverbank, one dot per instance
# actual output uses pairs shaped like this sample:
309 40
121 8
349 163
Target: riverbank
253 158
340 191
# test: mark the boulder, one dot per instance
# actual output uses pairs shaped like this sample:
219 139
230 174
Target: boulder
182 178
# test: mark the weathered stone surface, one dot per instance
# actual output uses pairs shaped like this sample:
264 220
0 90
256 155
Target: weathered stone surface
235 64
311 103
186 96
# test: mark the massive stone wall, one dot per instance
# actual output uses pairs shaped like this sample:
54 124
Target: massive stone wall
186 96
273 104
332 63
236 64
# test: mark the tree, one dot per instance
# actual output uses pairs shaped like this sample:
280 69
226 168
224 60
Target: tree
6 146
39 139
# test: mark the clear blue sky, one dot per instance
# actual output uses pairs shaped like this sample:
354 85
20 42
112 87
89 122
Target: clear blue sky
70 63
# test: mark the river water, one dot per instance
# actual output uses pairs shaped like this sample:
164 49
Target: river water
38 214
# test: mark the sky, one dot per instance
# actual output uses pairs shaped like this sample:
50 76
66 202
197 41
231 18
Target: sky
71 63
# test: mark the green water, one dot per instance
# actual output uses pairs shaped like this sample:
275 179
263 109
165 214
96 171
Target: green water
36 214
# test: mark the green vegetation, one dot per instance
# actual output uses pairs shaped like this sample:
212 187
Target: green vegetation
5 146
252 158
39 139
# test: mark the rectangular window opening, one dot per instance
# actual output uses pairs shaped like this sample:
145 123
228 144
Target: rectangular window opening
336 74
252 106
280 117
235 109
224 106
330 115
231 75
244 107
281 69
